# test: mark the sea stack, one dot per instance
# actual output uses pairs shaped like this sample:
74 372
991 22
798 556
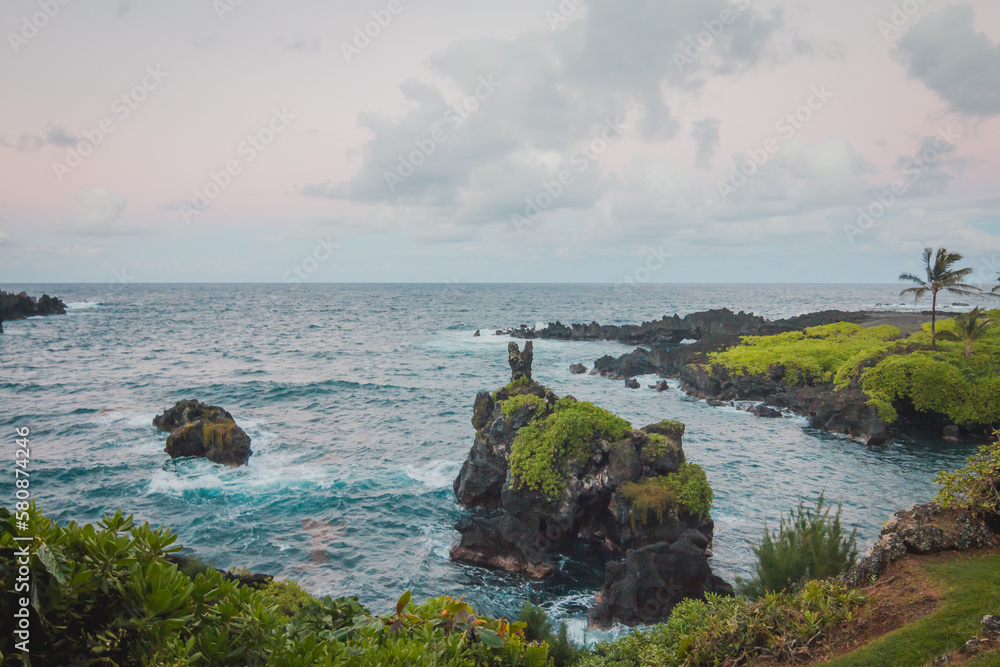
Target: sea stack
206 431
547 473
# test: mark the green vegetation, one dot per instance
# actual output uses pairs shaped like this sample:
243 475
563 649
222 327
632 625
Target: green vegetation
542 450
686 489
819 354
976 487
972 590
658 445
949 381
287 597
809 544
538 629
106 595
939 276
736 630
964 388
968 328
667 427
516 403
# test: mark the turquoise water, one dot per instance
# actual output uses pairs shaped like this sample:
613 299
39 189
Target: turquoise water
358 400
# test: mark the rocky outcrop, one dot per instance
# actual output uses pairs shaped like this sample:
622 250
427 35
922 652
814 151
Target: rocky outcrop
590 483
644 587
577 369
838 410
520 362
204 431
19 306
632 383
187 412
922 529
625 366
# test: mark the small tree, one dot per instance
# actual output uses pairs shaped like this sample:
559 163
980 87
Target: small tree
810 544
968 327
940 276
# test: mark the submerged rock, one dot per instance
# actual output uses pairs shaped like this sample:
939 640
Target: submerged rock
546 475
204 431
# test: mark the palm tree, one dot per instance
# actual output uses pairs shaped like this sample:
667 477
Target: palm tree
968 327
940 276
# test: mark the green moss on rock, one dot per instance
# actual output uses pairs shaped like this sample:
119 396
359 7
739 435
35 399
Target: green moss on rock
542 450
512 405
687 489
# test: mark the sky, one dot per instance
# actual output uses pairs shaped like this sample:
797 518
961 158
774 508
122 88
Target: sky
594 141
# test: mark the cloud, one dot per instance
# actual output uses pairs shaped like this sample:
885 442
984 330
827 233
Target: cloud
98 213
706 135
510 115
310 45
961 65
29 143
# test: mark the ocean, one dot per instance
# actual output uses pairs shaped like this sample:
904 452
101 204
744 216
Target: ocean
358 399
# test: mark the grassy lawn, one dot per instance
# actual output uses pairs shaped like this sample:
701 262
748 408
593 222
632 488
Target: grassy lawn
972 585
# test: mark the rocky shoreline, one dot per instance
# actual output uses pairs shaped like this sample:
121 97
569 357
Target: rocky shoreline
678 348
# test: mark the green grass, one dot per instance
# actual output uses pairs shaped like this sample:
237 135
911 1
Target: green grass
972 590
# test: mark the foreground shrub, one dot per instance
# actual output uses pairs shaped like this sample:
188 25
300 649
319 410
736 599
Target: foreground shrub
809 544
106 595
538 628
731 631
976 487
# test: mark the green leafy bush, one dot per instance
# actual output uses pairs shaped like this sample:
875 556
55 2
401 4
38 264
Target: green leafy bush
687 489
106 595
889 369
810 544
827 353
541 451
965 389
975 487
731 631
